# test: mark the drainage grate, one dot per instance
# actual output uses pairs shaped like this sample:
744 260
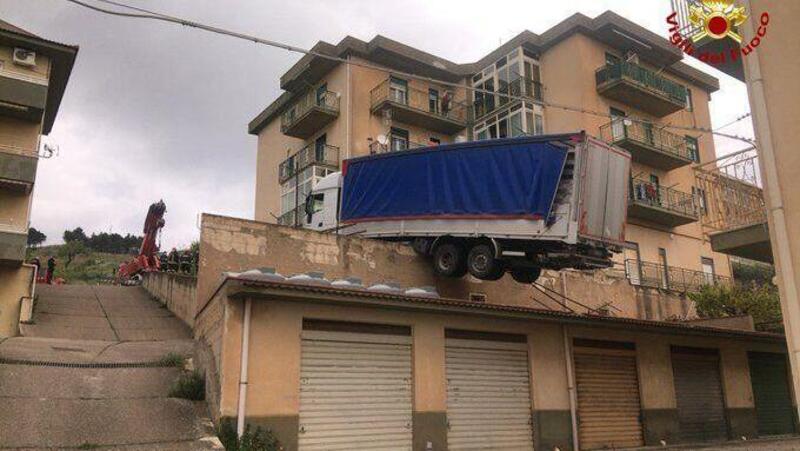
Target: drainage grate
88 364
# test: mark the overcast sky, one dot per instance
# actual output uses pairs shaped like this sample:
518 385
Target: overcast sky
156 110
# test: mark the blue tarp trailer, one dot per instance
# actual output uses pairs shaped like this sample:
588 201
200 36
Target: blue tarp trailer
508 205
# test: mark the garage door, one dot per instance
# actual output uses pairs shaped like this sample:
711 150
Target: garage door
698 389
355 391
488 395
774 413
609 410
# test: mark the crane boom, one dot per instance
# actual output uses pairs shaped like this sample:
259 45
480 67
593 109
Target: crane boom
146 260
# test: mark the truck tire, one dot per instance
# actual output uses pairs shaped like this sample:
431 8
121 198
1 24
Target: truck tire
449 260
526 275
482 264
421 246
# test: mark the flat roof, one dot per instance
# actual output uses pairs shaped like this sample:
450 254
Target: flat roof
238 287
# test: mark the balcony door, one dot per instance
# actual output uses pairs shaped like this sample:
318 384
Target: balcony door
322 94
398 90
662 257
398 140
319 148
708 270
633 263
617 123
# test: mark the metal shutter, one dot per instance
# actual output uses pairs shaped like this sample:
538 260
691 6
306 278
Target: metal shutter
355 391
488 395
698 389
609 410
768 374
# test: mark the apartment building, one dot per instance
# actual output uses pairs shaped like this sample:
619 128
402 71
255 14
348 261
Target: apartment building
606 75
33 76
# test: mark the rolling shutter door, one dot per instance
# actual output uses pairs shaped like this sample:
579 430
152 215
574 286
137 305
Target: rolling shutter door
355 391
698 389
768 374
609 410
488 395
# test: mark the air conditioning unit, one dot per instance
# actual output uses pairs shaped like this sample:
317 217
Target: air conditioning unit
24 57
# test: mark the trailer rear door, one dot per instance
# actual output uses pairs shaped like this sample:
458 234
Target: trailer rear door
605 174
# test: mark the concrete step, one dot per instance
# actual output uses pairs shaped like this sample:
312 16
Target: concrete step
47 422
91 351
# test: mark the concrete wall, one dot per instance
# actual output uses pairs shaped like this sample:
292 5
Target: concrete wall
15 283
274 368
177 291
230 244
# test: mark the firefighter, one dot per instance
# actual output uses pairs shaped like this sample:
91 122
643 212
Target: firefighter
162 260
173 260
51 269
186 261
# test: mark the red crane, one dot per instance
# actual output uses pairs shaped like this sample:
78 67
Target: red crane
147 260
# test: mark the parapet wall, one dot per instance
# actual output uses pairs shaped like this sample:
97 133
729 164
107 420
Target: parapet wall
232 244
177 291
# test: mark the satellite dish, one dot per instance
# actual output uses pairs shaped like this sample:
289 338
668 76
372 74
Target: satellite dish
383 140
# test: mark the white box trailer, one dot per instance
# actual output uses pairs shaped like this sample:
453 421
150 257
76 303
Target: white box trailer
511 205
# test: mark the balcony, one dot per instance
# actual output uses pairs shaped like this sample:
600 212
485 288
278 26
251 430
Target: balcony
657 204
17 172
293 217
641 88
521 87
414 107
376 147
22 99
672 278
12 246
311 155
310 114
648 144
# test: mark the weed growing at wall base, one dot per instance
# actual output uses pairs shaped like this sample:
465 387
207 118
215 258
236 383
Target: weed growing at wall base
258 439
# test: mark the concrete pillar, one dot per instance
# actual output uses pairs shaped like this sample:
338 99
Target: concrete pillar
657 388
774 96
430 386
552 420
738 390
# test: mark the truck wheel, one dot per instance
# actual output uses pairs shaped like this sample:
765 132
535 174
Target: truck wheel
449 260
526 275
482 263
421 246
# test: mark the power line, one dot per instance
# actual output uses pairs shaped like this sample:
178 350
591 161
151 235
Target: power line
142 13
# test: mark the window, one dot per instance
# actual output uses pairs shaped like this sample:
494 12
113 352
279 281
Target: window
611 59
662 255
708 269
502 128
399 140
317 201
693 148
700 199
433 100
516 124
689 102
615 112
398 90
538 124
322 94
320 146
435 141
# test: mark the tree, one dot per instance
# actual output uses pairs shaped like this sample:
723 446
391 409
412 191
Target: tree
760 301
35 237
70 250
75 235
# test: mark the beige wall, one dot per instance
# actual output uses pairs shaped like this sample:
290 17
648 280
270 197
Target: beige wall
14 284
178 292
14 211
19 137
39 73
771 72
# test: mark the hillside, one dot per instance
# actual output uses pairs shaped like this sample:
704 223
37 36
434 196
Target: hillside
89 268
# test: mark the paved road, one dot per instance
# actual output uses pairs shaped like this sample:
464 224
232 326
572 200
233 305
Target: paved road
74 377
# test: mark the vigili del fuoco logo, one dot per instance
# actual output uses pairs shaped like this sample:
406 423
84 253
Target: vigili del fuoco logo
715 20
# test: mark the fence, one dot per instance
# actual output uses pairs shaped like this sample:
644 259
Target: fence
673 278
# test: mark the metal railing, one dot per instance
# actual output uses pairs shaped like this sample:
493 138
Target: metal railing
642 76
731 187
522 87
419 100
376 147
673 278
647 134
652 194
309 155
328 101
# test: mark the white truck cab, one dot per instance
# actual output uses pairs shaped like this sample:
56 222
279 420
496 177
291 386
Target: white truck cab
322 204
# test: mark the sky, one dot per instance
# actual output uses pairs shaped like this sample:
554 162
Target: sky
160 111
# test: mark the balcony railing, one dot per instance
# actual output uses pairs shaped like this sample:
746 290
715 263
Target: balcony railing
376 147
666 206
521 87
416 107
673 278
648 143
310 113
636 85
313 154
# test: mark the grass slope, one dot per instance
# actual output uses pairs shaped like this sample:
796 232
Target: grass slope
90 268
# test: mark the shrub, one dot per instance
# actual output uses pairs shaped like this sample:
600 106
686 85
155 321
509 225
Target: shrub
172 359
759 301
189 385
258 439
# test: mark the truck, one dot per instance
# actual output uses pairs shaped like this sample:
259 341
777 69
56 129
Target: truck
517 205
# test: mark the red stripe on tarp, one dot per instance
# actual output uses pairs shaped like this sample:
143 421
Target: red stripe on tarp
400 218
